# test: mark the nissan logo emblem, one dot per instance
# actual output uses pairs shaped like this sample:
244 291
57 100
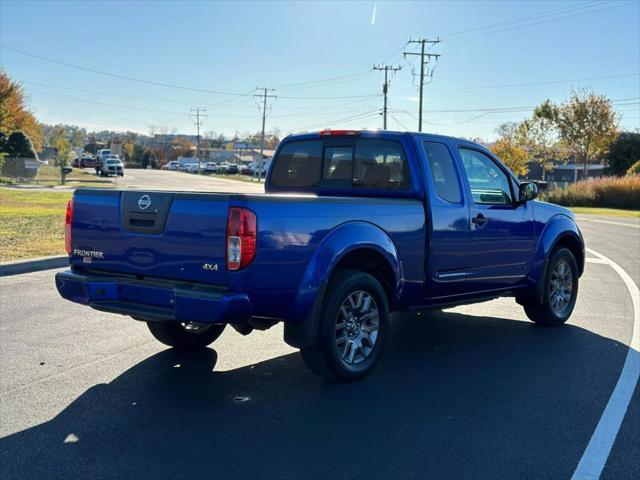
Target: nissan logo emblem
144 202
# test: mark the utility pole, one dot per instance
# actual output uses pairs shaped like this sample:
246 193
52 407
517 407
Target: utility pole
429 56
263 108
385 88
198 116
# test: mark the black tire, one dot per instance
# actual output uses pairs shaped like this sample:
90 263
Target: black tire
324 358
179 336
544 313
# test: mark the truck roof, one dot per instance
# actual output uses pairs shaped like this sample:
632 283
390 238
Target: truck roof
373 134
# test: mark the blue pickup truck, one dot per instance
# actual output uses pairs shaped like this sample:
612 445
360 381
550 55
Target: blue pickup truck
354 225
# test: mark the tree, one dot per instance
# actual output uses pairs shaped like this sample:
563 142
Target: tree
77 136
272 139
63 150
508 149
128 147
182 147
587 125
514 156
19 145
14 114
539 136
623 153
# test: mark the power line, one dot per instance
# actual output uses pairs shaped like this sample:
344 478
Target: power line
534 16
246 96
328 98
399 122
323 82
429 56
609 7
104 104
531 84
116 75
330 123
385 88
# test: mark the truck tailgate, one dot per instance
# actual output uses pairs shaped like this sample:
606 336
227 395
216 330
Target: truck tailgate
168 235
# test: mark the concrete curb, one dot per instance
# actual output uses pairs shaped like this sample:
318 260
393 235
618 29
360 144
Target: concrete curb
32 265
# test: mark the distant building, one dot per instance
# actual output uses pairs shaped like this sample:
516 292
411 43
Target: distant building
217 155
563 173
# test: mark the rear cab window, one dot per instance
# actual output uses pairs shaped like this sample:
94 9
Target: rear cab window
360 164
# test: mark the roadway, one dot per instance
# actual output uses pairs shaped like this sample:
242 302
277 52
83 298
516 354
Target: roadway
471 392
171 180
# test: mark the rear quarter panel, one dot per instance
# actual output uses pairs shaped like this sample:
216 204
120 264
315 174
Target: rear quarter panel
291 230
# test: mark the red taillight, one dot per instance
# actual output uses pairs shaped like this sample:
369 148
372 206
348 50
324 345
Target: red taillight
241 238
68 220
337 133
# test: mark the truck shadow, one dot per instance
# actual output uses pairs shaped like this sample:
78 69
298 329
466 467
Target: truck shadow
455 396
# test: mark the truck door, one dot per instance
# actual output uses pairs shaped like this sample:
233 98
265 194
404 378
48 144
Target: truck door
502 232
449 228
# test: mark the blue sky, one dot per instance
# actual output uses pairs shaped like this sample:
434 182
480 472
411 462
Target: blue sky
495 55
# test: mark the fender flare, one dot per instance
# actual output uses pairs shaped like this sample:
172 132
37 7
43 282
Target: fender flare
339 242
557 228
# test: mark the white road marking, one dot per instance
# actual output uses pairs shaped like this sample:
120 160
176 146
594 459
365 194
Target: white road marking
595 455
597 260
623 224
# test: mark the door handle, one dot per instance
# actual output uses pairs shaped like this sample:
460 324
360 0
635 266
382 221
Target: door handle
479 219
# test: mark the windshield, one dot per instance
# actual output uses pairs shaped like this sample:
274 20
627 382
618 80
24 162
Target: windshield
114 161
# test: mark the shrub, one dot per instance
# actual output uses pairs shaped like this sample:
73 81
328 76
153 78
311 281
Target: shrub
609 192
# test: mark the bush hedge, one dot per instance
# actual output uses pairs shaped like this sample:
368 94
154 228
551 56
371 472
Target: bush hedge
609 192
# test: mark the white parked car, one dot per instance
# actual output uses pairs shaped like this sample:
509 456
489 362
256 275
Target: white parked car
190 167
172 165
211 167
112 166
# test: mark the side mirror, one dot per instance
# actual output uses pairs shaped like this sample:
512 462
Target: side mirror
528 191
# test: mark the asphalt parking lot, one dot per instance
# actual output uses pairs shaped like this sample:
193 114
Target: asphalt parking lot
164 179
471 392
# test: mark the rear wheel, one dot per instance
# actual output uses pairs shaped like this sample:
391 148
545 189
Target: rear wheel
353 328
560 291
187 336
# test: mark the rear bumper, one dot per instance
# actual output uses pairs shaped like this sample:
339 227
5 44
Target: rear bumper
154 300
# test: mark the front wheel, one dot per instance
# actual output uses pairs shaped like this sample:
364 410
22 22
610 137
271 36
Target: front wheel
353 328
185 336
560 290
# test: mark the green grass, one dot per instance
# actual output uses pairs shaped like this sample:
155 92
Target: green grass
614 212
31 223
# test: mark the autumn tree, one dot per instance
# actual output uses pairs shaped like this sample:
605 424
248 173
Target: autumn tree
587 126
539 136
128 147
181 147
14 115
508 149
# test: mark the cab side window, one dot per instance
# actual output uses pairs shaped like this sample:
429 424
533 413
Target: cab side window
489 183
443 172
